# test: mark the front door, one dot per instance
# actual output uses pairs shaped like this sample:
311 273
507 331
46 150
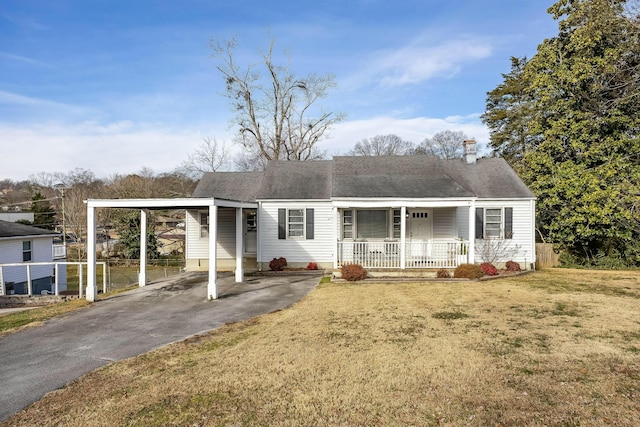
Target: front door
420 227
250 231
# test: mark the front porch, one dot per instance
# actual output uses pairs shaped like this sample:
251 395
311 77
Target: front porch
431 254
428 234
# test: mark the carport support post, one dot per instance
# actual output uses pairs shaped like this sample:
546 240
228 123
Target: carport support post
239 245
92 290
471 250
142 276
403 237
212 287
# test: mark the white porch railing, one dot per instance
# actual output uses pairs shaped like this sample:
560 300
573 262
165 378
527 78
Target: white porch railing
429 254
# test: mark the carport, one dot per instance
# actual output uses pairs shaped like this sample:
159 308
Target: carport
158 204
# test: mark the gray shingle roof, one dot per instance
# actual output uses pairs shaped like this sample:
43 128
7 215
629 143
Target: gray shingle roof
368 177
240 186
394 176
14 229
297 180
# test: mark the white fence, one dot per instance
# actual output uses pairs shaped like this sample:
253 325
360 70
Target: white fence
28 265
430 254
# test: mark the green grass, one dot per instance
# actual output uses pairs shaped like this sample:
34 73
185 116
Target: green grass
33 317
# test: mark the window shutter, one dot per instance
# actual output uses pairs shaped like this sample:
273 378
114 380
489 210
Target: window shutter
508 223
479 223
282 223
310 225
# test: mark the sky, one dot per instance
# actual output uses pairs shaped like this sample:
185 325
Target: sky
118 86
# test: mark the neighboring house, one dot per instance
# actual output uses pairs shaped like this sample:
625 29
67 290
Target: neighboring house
17 216
29 253
388 212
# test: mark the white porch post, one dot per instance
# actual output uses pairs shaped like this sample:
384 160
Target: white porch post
92 290
471 250
239 245
258 238
56 283
29 283
337 233
212 287
142 277
403 236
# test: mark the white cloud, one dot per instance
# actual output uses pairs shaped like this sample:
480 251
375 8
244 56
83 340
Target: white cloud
344 135
23 59
105 149
419 61
17 99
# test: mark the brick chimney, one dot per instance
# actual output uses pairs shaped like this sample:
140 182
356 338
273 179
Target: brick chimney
469 151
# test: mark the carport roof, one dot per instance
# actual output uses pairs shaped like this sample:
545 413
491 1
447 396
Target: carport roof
183 203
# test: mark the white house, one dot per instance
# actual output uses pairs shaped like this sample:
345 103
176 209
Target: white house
387 212
27 259
394 212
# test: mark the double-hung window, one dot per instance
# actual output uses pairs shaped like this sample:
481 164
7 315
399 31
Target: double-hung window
26 251
494 223
296 223
204 224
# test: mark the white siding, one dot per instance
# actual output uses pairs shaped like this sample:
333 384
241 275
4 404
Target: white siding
463 222
198 247
444 223
11 252
523 227
319 250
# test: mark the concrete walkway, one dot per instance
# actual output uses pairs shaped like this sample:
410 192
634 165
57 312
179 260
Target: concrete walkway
45 358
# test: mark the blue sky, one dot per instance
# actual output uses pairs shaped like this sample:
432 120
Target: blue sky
114 86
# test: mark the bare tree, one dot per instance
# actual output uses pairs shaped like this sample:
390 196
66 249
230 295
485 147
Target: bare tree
274 113
382 145
209 156
496 250
445 145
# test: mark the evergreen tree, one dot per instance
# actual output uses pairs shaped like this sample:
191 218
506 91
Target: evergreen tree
127 225
43 212
581 136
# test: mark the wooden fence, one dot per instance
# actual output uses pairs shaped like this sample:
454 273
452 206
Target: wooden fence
545 256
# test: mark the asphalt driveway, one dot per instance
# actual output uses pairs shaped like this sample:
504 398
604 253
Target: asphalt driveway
38 360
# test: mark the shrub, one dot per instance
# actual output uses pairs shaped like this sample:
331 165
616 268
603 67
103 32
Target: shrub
278 264
312 266
443 273
468 271
489 269
512 266
353 272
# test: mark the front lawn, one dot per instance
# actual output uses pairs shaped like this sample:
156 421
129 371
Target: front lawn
558 347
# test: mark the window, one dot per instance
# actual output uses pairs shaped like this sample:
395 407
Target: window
397 219
494 223
372 224
204 224
26 251
295 224
347 224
